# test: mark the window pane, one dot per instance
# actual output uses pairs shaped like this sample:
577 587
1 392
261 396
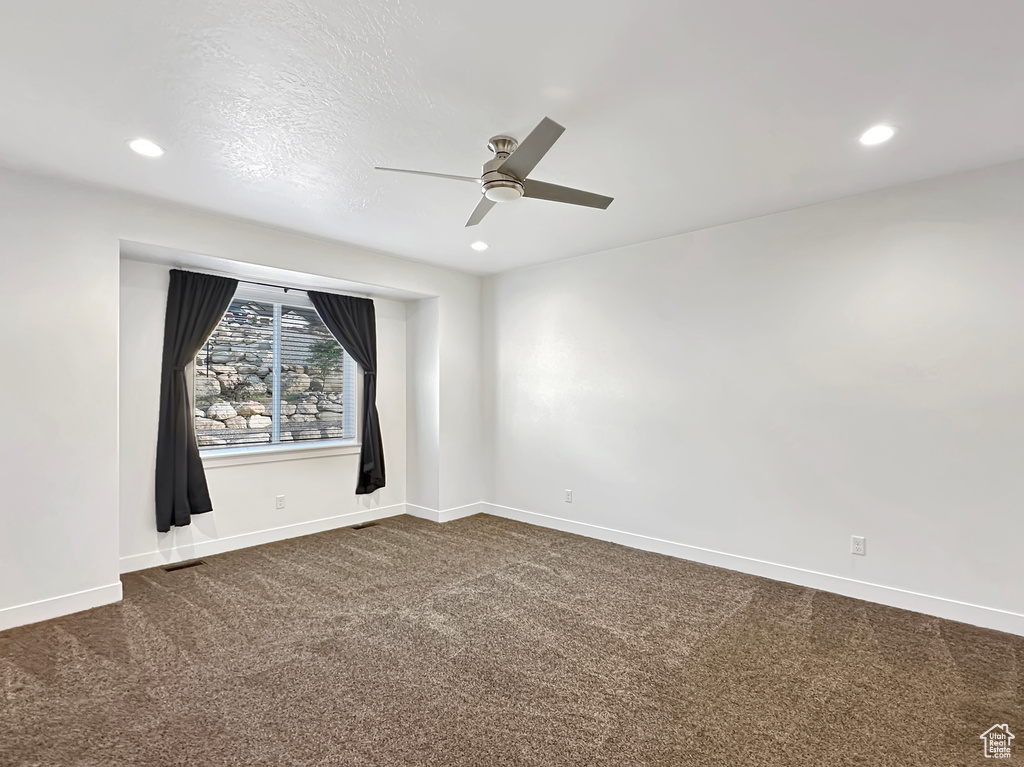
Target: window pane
312 379
234 379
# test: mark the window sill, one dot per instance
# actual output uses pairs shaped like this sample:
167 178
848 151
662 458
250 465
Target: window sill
214 459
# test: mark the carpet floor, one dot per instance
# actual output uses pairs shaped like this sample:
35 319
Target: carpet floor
489 642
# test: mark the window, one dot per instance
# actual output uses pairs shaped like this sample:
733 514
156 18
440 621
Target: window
272 373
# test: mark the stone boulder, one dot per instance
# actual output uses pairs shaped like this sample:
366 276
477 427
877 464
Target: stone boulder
259 422
208 423
307 408
294 383
207 388
229 380
331 407
221 411
254 385
235 423
328 416
252 408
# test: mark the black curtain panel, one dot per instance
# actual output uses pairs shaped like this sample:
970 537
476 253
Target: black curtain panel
195 304
353 322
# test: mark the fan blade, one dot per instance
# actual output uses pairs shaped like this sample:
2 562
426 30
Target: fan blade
532 149
436 175
481 210
540 190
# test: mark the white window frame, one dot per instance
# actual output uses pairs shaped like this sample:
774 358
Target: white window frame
288 451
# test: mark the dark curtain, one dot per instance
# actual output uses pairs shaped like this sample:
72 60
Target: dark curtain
195 304
353 322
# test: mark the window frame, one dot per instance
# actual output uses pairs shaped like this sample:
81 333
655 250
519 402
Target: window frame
284 451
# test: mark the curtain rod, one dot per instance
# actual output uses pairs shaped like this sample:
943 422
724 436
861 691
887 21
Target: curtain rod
269 285
302 290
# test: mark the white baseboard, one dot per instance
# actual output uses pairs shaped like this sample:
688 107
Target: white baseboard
45 609
940 607
210 547
447 515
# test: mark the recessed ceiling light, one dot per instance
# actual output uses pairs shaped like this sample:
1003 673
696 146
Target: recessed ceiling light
877 135
479 245
145 147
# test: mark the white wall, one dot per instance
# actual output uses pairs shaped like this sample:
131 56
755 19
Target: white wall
58 447
423 402
59 249
318 488
760 391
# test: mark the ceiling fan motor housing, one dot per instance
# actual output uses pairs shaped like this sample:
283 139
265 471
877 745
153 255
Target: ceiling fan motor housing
500 187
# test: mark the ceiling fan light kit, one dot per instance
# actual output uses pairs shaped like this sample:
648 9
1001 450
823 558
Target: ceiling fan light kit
505 177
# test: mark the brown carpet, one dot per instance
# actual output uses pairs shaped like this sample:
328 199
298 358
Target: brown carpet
489 642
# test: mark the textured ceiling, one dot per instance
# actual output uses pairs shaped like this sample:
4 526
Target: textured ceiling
689 114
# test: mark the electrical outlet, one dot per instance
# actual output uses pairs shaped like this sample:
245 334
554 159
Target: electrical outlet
568 496
280 501
858 545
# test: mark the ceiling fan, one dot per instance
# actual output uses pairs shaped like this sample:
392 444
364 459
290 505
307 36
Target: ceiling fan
505 177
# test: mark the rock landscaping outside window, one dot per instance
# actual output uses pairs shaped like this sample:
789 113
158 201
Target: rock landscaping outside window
271 373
